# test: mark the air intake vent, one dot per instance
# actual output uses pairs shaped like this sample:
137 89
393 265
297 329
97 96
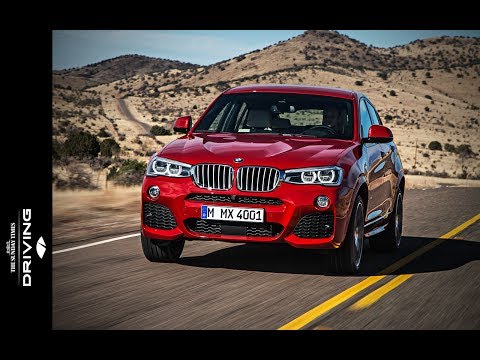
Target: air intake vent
158 216
214 227
236 199
319 225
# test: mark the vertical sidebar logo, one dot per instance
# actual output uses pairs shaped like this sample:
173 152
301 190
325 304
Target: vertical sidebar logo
19 247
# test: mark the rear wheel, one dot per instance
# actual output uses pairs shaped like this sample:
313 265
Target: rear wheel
348 259
391 238
162 251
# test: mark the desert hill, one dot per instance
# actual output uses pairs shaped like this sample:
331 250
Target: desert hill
114 69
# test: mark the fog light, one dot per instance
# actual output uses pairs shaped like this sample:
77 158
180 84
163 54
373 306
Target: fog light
154 191
322 201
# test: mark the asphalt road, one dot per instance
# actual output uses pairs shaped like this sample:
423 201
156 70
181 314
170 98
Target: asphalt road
234 286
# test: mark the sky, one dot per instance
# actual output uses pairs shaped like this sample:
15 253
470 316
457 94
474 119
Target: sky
73 48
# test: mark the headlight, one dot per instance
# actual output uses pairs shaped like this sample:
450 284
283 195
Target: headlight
166 167
329 176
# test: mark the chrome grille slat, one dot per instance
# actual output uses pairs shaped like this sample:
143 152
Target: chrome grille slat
213 176
208 176
239 181
269 177
257 178
263 179
259 170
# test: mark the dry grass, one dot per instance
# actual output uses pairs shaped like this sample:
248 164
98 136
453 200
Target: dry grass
79 214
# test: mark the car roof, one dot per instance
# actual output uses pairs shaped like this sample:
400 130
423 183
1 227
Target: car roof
296 89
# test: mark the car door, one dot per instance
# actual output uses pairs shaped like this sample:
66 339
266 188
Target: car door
374 168
388 156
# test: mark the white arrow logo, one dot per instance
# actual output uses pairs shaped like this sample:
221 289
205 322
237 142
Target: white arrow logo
41 247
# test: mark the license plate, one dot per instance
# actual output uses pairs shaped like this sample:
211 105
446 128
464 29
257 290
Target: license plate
232 213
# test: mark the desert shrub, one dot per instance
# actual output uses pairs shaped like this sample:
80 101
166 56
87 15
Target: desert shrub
388 117
103 133
428 75
57 150
81 144
450 148
428 97
130 172
89 102
435 145
109 147
393 93
359 83
99 163
464 150
77 180
427 109
383 75
159 130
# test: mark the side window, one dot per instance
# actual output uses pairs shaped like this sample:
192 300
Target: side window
373 115
365 121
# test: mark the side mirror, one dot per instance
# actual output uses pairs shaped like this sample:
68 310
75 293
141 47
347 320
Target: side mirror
183 124
378 134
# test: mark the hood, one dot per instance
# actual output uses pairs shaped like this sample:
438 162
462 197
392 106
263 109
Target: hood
283 152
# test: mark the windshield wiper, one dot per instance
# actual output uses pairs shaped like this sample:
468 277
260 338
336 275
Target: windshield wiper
300 135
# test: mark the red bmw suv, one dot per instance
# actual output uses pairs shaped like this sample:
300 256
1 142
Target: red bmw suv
304 165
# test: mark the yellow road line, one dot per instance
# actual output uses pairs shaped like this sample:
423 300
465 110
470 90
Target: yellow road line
374 296
311 315
461 227
331 303
410 257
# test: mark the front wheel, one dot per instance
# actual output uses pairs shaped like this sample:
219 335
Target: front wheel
348 258
391 238
162 251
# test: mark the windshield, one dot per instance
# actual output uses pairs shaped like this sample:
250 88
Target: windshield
275 113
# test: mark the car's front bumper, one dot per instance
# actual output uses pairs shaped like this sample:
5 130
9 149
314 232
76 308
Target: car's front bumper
297 202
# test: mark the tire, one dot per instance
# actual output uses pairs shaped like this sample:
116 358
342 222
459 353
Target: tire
390 239
348 258
162 251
